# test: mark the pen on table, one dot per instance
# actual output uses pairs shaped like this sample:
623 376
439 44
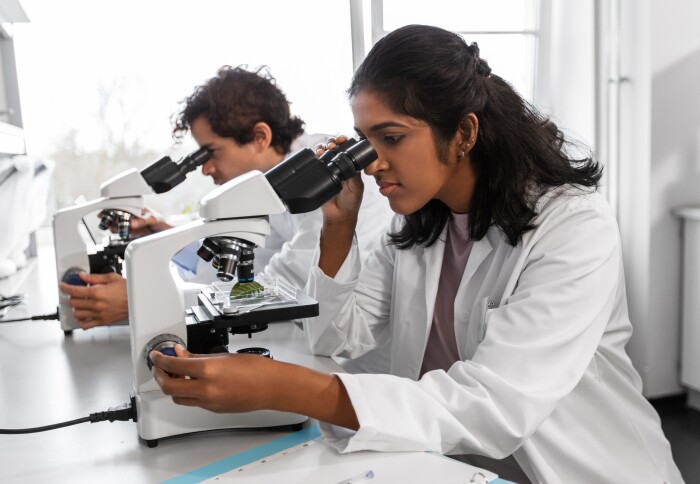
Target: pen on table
362 477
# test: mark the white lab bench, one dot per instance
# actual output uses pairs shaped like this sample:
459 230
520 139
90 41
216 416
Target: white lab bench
49 378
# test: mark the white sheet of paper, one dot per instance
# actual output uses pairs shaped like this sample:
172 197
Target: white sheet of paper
318 462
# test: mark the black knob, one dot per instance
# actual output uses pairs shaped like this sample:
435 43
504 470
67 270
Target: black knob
165 343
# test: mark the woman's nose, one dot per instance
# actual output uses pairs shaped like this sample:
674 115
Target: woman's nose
376 166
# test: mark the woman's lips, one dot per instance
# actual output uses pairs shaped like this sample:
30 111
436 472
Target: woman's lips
386 188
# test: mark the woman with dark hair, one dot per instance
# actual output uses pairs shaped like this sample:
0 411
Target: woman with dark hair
501 284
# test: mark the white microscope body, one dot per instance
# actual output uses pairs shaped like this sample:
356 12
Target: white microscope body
123 192
237 209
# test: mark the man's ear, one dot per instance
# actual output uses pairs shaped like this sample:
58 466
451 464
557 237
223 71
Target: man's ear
262 136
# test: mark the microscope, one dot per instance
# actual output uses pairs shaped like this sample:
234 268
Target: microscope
234 220
121 198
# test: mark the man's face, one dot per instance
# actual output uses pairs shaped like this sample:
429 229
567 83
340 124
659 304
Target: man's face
228 158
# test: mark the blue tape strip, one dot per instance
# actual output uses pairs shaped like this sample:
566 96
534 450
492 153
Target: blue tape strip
258 453
248 456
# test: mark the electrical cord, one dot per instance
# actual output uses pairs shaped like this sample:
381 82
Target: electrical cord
40 317
123 413
9 302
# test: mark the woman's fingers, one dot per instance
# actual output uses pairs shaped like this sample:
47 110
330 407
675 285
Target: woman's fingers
182 364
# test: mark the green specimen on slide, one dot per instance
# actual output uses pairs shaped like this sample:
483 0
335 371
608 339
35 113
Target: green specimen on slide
251 288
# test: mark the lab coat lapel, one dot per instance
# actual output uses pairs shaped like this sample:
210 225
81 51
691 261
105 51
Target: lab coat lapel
465 300
480 250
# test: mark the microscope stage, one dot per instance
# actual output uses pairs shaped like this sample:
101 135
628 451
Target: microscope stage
210 311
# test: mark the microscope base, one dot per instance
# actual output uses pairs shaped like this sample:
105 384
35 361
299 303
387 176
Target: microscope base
159 417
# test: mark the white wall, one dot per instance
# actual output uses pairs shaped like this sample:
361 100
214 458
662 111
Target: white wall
658 155
674 174
634 197
659 171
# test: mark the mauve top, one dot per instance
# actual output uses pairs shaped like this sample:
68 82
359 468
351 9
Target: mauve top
441 351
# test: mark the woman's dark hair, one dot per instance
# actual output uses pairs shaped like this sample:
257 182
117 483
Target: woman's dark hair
433 75
235 100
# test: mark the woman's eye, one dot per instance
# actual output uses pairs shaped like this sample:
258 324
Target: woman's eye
392 139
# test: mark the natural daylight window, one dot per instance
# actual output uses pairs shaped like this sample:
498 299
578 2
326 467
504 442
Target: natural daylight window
99 81
505 30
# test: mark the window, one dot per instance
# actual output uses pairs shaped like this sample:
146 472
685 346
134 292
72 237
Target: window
505 30
99 81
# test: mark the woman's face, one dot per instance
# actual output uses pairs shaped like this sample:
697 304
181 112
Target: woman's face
408 170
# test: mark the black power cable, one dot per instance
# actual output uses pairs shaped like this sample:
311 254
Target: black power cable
40 317
124 413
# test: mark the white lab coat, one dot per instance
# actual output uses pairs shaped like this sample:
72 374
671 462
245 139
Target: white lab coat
541 329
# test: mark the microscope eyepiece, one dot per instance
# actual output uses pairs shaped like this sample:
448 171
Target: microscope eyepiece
194 160
304 182
164 174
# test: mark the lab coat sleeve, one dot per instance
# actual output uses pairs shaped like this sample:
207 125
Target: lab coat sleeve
354 306
294 259
536 347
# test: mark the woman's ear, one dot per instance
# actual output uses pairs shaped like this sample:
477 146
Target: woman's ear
262 136
469 130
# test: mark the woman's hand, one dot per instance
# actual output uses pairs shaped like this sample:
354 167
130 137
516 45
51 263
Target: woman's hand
344 207
221 382
243 383
339 219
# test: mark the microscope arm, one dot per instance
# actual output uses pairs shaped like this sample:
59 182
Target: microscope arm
156 305
155 301
129 183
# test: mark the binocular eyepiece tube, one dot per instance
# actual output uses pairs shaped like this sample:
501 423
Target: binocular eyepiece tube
304 182
164 174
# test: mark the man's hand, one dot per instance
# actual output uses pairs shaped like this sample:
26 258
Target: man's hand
148 223
101 303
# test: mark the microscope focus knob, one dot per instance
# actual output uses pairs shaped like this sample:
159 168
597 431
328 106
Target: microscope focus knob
165 343
72 277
